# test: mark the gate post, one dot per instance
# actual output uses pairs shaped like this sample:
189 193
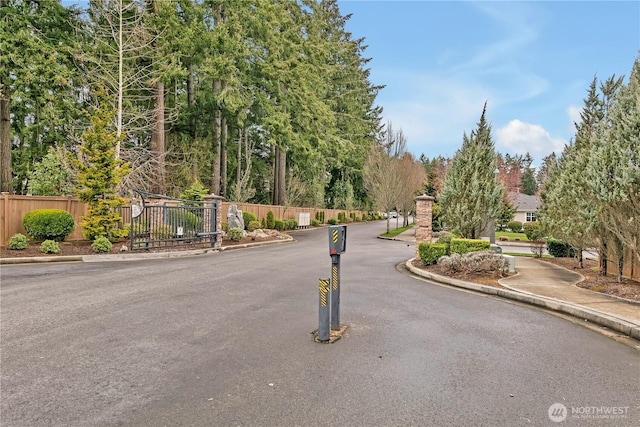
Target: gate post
424 217
214 202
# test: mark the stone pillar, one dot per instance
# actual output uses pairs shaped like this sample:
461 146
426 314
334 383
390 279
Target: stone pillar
209 200
424 205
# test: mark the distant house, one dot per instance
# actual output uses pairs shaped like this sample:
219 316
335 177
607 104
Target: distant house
526 206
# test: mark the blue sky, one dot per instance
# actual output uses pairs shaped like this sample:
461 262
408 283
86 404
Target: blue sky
532 62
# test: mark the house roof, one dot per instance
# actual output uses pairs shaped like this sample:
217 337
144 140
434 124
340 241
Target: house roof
524 202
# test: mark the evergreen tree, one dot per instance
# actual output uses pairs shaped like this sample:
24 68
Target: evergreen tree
528 182
472 196
100 174
613 168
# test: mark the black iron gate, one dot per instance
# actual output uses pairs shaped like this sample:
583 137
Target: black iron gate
167 222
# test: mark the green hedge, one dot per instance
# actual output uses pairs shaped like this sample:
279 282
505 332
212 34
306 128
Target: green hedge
48 224
560 249
431 252
463 246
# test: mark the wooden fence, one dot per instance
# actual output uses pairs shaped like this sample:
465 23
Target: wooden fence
13 208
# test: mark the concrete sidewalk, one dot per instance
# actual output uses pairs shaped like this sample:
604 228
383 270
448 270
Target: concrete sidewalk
546 285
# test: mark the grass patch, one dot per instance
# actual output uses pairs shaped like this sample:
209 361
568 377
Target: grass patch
394 233
512 236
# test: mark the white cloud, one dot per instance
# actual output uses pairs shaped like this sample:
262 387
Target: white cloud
518 137
573 112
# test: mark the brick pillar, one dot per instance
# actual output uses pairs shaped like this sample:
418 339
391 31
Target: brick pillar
218 201
424 205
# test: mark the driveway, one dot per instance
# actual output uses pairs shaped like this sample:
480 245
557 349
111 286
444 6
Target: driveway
224 340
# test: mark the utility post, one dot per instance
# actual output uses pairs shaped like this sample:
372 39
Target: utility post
337 246
329 289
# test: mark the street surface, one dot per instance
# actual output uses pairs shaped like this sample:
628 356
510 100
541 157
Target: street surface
224 340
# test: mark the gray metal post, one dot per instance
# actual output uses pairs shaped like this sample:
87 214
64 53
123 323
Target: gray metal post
335 292
323 310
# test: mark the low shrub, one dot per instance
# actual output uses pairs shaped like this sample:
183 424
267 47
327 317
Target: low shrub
515 226
431 252
332 221
503 238
140 228
48 224
278 224
315 223
475 262
271 220
179 217
463 246
248 217
532 230
236 234
560 249
102 244
342 216
224 226
291 224
253 225
18 242
49 247
352 215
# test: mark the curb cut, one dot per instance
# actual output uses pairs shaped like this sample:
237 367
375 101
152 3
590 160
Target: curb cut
619 325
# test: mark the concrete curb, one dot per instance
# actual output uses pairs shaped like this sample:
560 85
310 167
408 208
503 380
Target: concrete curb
133 256
619 325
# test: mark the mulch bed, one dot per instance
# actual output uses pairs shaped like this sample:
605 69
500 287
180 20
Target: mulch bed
83 247
628 289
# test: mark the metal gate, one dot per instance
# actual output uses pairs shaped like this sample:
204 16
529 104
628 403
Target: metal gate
168 222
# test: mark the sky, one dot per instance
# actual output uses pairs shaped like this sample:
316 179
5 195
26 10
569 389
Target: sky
531 62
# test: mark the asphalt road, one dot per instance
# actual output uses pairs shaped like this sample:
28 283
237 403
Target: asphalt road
224 340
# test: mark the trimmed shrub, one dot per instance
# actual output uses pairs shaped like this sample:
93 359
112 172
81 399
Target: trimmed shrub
431 252
560 249
183 218
224 226
18 242
352 215
320 217
475 262
236 234
49 247
271 224
278 224
463 246
48 224
515 226
291 224
332 221
101 244
248 217
532 230
315 223
253 225
342 216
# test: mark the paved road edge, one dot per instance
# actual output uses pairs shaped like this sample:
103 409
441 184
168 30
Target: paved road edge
619 325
